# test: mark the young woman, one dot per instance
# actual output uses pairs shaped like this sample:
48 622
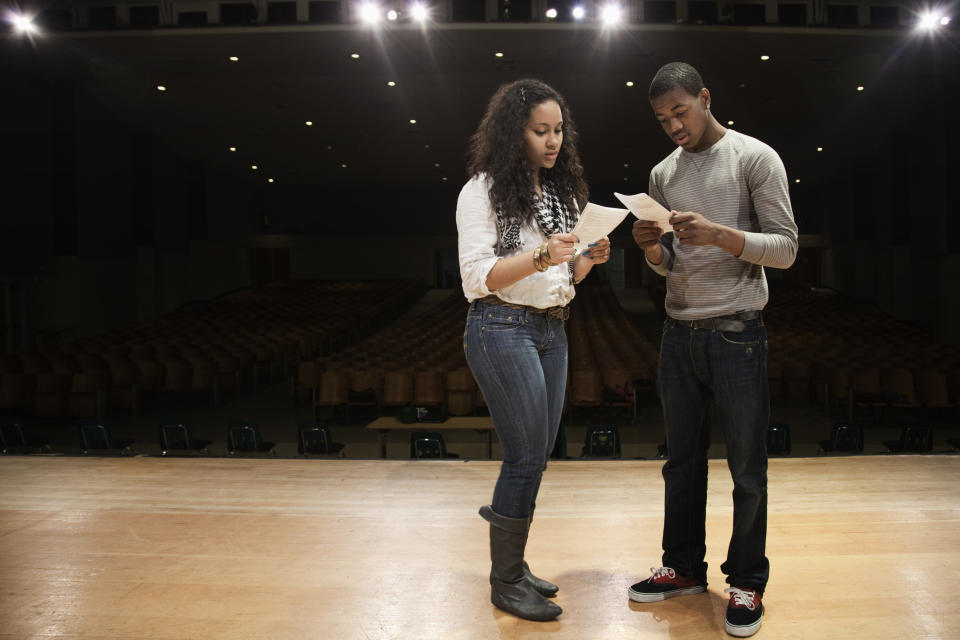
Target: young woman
519 267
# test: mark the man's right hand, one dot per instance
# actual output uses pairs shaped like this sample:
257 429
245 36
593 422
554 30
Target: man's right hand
647 234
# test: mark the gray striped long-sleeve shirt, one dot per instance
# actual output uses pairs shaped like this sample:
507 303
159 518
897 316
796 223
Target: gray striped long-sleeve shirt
739 182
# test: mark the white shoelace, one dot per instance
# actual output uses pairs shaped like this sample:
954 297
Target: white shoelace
662 571
742 598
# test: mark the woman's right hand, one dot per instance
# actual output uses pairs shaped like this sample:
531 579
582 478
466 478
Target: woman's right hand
561 247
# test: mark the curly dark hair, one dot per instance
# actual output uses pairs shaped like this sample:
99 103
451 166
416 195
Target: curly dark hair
675 75
498 150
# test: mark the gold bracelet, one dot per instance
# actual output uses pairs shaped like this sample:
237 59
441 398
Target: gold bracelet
545 255
538 259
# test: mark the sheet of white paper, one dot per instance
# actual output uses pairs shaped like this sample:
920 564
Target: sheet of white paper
646 208
596 222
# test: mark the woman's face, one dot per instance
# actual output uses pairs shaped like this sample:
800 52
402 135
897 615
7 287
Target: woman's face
544 135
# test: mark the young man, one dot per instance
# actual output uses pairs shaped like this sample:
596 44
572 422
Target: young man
731 216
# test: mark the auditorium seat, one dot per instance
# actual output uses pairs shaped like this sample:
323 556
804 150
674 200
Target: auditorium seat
243 438
460 389
176 440
316 440
846 437
913 439
429 444
13 439
95 437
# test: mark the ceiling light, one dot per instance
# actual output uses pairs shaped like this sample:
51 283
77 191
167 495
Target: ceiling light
860 88
160 87
270 180
369 13
729 123
931 20
611 15
819 148
355 56
426 146
551 13
234 59
343 166
625 178
419 12
392 15
254 167
944 21
412 121
309 123
22 23
436 164
626 165
232 148
797 181
444 178
578 13
629 83
764 57
391 83
499 54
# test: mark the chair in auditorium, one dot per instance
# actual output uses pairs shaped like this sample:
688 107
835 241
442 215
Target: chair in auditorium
913 439
307 378
428 392
13 439
316 440
398 388
88 393
845 437
243 438
601 441
460 391
333 391
866 392
899 391
365 388
778 439
176 440
95 437
429 444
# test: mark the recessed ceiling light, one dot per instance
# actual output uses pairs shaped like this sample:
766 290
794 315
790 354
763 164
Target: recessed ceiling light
254 167
764 58
419 12
625 178
160 87
270 180
232 148
551 13
309 123
819 148
354 55
436 164
391 83
797 181
234 59
578 13
392 15
426 146
626 165
629 83
343 166
860 88
444 178
412 121
499 54
729 123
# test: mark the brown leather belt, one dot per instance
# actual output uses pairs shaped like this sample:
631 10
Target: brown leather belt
735 322
555 313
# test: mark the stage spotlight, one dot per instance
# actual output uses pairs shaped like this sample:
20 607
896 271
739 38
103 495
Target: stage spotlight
392 15
611 15
551 13
419 12
578 13
23 24
932 19
369 13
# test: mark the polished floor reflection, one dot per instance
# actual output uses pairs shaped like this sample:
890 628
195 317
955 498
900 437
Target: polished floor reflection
157 548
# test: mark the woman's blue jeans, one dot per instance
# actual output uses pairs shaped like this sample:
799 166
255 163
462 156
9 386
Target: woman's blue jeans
711 378
519 360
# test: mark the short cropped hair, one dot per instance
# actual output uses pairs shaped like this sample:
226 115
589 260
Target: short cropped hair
673 75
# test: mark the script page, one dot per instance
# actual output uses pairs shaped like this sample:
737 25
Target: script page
596 222
646 208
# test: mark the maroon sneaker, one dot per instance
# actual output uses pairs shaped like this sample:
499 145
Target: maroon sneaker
744 612
664 583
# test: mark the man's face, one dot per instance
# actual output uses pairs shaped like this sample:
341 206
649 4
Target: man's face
684 117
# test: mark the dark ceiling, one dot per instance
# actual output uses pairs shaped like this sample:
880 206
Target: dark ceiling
805 96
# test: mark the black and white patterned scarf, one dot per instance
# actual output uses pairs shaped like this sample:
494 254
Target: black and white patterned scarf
551 211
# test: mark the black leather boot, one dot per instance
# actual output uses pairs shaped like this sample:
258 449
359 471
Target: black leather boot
542 586
510 589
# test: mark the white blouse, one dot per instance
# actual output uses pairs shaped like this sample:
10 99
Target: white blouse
477 241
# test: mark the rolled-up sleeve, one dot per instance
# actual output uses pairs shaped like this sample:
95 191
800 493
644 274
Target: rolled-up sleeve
476 237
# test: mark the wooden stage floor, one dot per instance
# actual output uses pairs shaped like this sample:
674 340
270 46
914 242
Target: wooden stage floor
153 548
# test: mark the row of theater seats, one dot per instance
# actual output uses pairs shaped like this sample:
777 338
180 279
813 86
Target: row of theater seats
420 361
233 343
845 355
175 439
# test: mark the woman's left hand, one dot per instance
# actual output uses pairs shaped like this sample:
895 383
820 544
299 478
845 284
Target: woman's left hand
599 251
